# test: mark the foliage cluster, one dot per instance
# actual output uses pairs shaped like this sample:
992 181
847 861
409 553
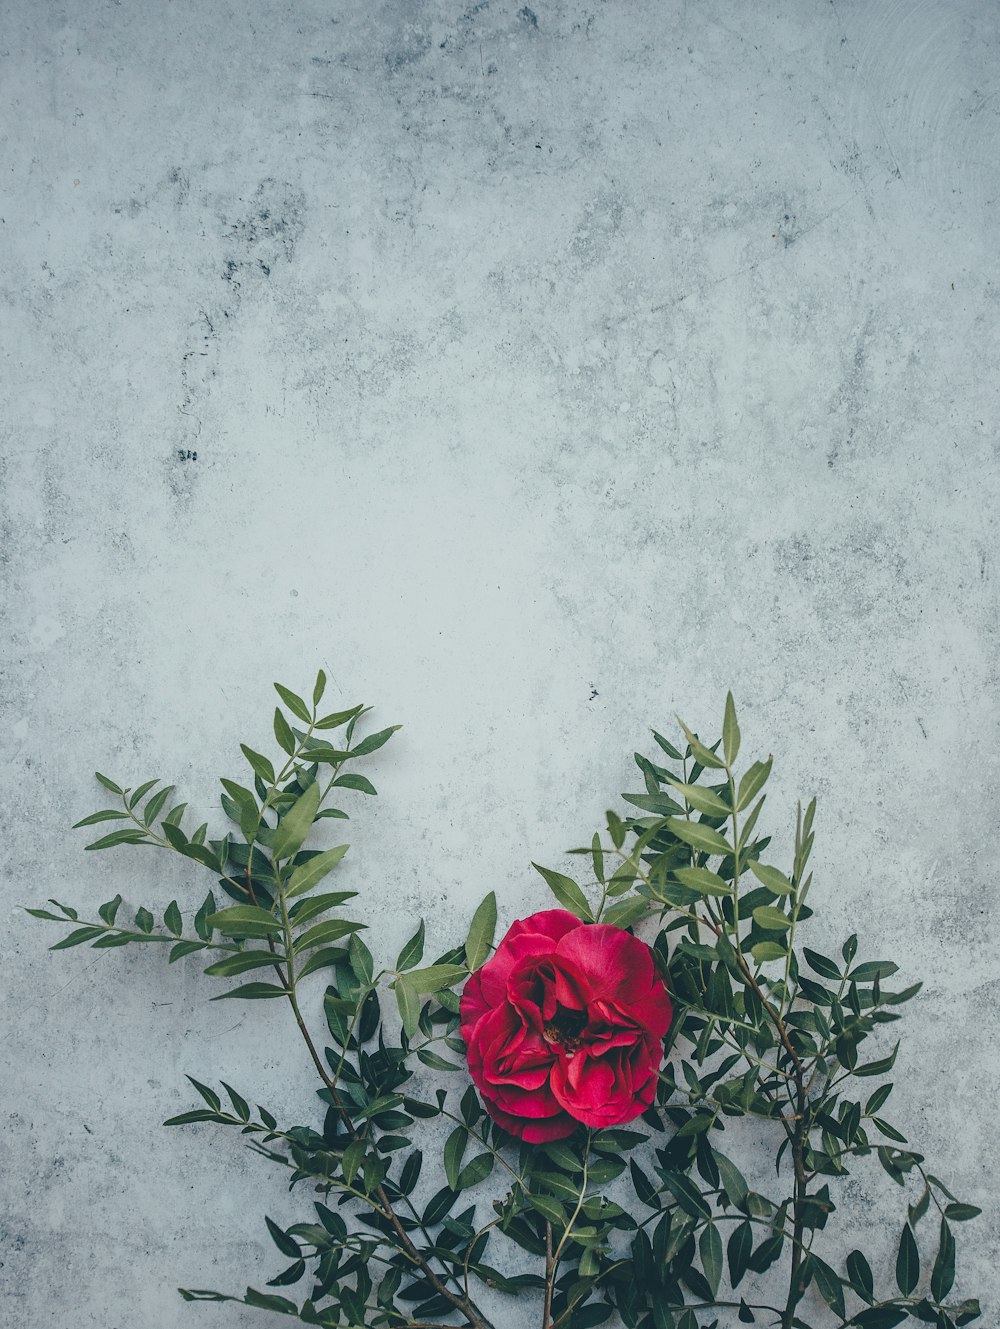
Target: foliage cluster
653 1228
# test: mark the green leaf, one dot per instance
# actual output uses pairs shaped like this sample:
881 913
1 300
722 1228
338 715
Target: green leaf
768 950
353 781
261 765
201 925
172 920
730 731
330 930
109 911
699 836
943 1273
336 718
752 782
77 937
107 815
108 784
118 837
454 1149
907 1263
776 882
703 881
475 1171
772 919
702 754
435 1062
308 874
318 904
409 1006
144 920
155 805
295 704
240 962
625 913
700 798
961 1213
287 839
374 741
710 1247
361 958
433 979
253 992
244 920
733 1181
878 1067
550 1209
686 1194
567 892
283 732
867 973
185 948
286 1244
413 951
830 1285
819 964
481 933
860 1274
738 1252
322 959
319 688
140 794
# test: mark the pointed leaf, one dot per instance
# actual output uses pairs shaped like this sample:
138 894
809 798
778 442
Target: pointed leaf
287 839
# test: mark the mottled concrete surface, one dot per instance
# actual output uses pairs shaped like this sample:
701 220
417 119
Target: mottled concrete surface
539 371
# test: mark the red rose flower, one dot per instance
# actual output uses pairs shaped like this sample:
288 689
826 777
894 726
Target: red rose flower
564 1024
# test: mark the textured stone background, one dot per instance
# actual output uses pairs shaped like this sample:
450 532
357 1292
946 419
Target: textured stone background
548 369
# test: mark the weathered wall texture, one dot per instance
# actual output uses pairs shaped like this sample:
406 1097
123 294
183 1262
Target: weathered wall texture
538 371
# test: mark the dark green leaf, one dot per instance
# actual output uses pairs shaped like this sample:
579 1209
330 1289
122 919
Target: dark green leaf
821 965
699 836
283 732
253 992
287 839
308 874
172 920
77 937
961 1213
352 781
752 782
703 881
374 741
244 920
336 718
830 1285
295 704
261 765
118 837
286 1244
771 919
776 882
943 1273
907 1263
867 973
860 1274
738 1252
567 892
108 815
710 1247
108 784
730 731
481 933
413 952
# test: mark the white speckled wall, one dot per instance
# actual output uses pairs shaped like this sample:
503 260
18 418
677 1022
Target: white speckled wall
538 371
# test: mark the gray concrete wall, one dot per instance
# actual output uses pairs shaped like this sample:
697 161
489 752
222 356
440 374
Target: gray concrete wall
550 369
